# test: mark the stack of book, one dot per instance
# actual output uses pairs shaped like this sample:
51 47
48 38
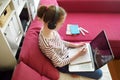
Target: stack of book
73 29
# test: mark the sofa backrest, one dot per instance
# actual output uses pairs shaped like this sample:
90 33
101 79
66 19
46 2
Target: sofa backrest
90 5
48 2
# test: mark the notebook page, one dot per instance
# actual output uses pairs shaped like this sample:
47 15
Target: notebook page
82 59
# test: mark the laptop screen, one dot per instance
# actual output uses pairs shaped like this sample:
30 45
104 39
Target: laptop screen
101 49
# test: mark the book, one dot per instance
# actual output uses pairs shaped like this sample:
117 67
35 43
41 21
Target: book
68 30
72 29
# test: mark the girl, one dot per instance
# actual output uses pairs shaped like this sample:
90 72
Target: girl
53 46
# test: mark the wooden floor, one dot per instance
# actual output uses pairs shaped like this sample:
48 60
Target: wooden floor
114 68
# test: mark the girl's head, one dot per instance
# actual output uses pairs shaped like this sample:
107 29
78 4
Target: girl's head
53 16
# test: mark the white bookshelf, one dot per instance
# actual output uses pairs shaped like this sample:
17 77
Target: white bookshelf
12 29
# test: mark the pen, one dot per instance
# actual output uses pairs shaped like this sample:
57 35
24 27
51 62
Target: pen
84 30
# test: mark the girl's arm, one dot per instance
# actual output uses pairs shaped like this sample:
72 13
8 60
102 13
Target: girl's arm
74 45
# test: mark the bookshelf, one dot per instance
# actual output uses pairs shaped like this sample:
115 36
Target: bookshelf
15 18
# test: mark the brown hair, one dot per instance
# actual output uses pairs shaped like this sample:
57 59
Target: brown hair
48 13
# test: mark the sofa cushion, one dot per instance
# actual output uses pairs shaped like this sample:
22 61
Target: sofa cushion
90 5
24 72
31 55
94 23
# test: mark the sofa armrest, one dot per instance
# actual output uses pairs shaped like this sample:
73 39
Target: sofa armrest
24 72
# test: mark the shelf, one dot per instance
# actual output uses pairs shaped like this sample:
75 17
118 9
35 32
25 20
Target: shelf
33 5
36 3
3 5
20 7
26 27
8 20
25 18
18 42
33 11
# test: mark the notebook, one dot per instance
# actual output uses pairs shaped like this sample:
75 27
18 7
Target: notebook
82 59
72 29
100 54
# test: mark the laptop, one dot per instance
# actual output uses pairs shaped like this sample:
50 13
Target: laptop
98 54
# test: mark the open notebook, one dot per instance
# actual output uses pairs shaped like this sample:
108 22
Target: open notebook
82 59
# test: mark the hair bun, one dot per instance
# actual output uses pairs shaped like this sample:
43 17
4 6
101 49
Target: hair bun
41 11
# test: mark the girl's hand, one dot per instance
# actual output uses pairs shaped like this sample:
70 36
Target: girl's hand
82 52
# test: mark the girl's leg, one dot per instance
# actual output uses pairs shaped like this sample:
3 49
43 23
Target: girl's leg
95 75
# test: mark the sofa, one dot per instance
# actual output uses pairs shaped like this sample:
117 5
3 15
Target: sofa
93 15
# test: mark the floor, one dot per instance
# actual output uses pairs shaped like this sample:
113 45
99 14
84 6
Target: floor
106 75
6 75
114 67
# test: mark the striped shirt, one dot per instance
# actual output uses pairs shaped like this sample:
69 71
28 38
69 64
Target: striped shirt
55 49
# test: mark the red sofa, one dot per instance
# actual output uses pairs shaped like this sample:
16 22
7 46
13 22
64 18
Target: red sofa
89 14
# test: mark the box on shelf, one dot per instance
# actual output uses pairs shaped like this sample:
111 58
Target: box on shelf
6 13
